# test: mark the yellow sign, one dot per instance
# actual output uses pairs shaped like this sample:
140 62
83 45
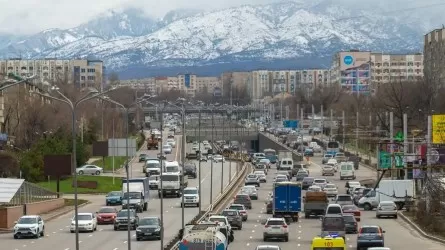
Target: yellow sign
438 129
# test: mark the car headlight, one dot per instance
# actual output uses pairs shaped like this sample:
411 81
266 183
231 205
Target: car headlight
157 230
138 230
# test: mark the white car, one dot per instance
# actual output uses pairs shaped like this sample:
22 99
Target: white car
218 158
29 226
220 219
333 163
276 228
86 222
171 142
314 189
167 149
261 175
153 181
320 182
331 190
89 169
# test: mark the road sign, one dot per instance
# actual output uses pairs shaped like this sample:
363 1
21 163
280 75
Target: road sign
290 123
384 160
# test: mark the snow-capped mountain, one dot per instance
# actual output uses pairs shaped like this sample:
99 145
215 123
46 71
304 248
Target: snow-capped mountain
292 31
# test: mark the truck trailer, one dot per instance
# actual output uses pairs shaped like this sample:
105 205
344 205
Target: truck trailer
287 200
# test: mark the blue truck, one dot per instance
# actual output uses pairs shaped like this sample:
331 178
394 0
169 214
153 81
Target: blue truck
287 200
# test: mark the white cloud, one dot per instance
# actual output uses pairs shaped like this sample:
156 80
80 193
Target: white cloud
30 16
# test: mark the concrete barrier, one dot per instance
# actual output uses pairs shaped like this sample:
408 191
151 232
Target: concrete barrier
44 206
8 215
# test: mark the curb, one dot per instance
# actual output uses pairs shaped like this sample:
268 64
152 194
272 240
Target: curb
52 217
419 230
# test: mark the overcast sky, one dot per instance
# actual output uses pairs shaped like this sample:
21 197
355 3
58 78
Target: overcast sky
32 16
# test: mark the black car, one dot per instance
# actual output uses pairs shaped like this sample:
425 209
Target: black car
350 223
149 228
307 182
190 169
121 220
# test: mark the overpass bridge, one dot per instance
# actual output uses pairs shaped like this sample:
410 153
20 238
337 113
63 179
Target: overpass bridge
195 110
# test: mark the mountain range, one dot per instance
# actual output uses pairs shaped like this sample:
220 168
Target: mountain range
280 35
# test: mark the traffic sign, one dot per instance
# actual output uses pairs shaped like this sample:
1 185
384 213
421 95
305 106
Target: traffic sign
384 160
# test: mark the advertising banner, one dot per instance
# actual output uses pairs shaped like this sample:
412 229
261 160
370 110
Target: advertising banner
355 70
279 86
187 80
438 129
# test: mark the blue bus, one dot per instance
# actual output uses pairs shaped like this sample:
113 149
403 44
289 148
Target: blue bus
333 148
271 155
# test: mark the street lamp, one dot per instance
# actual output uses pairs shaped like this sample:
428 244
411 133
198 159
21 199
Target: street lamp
211 161
73 106
11 83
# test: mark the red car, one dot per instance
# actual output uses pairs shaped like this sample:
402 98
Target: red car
106 215
352 209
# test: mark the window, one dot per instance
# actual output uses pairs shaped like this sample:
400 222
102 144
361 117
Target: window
91 78
82 78
82 70
369 230
275 223
91 70
170 178
344 198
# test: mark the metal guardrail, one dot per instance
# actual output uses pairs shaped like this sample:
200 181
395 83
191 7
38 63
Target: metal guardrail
220 200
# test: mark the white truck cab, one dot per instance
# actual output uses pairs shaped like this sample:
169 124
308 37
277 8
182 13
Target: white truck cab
171 167
191 196
347 170
171 184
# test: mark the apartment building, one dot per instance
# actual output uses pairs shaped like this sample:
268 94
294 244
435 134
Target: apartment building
145 84
262 83
208 84
363 71
434 51
81 73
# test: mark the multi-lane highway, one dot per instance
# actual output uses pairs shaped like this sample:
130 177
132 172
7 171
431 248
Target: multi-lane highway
58 236
398 234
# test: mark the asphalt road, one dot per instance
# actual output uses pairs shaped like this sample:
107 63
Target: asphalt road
58 236
398 234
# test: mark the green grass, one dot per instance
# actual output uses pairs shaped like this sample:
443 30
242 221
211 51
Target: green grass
105 185
108 166
70 202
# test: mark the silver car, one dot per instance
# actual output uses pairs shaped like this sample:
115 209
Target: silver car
327 170
251 191
386 209
343 199
89 169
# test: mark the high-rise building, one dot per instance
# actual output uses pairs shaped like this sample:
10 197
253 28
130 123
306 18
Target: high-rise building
434 51
208 84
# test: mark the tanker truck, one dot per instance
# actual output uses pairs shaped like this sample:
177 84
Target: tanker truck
203 236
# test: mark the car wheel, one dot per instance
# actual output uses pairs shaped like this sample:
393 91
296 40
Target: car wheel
97 172
80 172
264 239
115 228
286 239
138 239
367 207
37 234
16 236
395 217
72 231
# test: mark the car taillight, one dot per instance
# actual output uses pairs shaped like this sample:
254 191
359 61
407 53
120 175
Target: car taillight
284 226
380 208
266 226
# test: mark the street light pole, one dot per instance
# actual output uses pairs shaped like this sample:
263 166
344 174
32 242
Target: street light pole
183 164
223 159
199 160
211 161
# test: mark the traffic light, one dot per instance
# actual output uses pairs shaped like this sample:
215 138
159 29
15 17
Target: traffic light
15 77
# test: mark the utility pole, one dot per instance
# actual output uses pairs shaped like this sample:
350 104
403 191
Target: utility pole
405 145
391 141
356 133
322 120
332 124
343 126
313 118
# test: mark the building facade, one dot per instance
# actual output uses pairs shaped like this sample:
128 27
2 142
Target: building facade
434 51
81 73
363 71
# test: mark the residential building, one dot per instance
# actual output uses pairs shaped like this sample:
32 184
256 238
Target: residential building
145 84
232 80
363 71
81 73
187 84
208 84
434 51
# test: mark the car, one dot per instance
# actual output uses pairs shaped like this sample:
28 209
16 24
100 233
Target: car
149 228
113 198
203 158
221 220
299 166
327 170
171 142
121 220
268 247
320 182
331 190
234 217
351 224
251 191
281 178
265 161
191 196
152 167
334 163
314 188
190 170
284 172
261 167
29 226
106 215
386 209
167 149
370 236
89 170
334 209
351 209
218 158
153 181
350 185
301 175
359 194
326 158
241 209
276 228
243 199
261 176
309 152
343 199
87 222
333 224
252 179
142 157
269 206
307 182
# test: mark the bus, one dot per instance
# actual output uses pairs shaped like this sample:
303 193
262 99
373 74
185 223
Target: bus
328 243
271 155
333 148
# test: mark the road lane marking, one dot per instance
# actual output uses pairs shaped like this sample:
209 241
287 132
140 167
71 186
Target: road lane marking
125 242
61 229
100 230
80 241
253 231
47 235
134 235
299 232
24 245
115 249
248 244
32 242
67 249
299 238
90 235
298 245
347 238
250 237
54 232
255 225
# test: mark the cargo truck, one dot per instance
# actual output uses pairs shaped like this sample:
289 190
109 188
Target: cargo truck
315 203
138 194
401 192
287 200
206 236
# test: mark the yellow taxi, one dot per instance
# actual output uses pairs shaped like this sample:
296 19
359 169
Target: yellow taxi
328 243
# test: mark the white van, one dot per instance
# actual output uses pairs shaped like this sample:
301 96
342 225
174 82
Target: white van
347 170
172 167
286 164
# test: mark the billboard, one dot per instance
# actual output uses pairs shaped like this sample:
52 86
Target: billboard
438 129
355 72
187 80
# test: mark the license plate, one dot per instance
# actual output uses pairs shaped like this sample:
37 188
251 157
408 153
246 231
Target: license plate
168 191
276 227
147 233
106 219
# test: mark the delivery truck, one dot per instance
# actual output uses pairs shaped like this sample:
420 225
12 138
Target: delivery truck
399 191
287 200
138 194
315 204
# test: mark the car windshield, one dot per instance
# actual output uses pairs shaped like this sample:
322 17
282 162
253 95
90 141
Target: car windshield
319 181
154 177
167 146
190 191
236 207
115 193
153 165
106 210
241 197
125 213
369 230
171 169
148 222
344 198
275 222
84 217
132 195
27 220
349 207
217 219
349 218
251 176
330 186
229 213
308 179
333 224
